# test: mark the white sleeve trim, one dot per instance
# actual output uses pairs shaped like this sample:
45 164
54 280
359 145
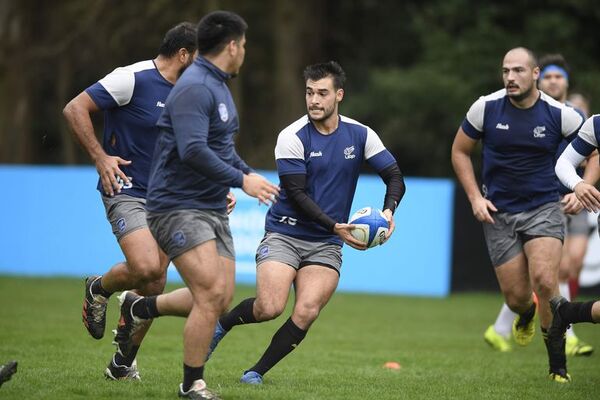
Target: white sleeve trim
119 84
289 144
571 120
373 145
587 132
565 167
476 113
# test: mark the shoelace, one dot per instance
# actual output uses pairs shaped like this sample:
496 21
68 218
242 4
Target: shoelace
207 394
132 372
98 307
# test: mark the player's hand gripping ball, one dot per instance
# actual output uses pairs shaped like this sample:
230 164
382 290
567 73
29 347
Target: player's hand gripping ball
371 226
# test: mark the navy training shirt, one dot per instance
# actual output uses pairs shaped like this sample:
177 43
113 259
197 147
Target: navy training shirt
519 148
132 99
332 166
195 162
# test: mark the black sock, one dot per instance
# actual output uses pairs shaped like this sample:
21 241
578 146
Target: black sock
555 346
98 289
577 312
241 314
191 374
146 308
286 339
527 316
126 359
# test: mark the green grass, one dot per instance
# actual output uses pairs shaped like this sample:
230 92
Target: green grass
438 342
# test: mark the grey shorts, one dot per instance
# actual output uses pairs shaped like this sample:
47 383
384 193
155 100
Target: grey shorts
577 225
506 237
298 253
125 213
181 230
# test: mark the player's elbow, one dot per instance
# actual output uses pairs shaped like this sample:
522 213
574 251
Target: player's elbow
190 154
74 109
69 110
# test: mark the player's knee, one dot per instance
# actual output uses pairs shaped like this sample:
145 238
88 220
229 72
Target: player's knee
147 270
306 313
154 287
267 310
545 284
209 301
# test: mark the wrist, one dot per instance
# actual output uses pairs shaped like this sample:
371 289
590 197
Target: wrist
576 184
474 196
241 181
97 154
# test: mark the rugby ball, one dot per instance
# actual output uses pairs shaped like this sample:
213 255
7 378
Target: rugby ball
371 226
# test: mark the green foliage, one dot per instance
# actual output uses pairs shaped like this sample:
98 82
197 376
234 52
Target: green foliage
438 343
413 67
398 105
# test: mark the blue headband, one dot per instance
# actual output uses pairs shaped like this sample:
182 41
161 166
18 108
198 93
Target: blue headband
554 68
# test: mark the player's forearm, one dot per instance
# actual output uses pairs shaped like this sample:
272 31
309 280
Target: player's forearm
395 187
591 174
241 164
82 128
295 188
463 168
202 159
565 167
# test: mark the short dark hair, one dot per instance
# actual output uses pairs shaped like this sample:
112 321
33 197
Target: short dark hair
181 36
217 29
319 71
554 59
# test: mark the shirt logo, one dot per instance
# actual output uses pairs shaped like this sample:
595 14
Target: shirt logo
223 112
504 127
538 132
160 104
316 154
348 153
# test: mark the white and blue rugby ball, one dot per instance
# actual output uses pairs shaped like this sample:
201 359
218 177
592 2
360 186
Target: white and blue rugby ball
371 226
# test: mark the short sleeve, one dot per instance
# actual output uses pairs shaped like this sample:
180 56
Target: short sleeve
114 90
571 120
586 141
473 123
373 144
289 154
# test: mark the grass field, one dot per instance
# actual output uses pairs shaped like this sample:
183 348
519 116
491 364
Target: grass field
438 342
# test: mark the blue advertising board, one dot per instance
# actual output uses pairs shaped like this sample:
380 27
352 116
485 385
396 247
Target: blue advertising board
52 223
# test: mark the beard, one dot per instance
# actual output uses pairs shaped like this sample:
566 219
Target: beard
521 96
181 71
326 114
